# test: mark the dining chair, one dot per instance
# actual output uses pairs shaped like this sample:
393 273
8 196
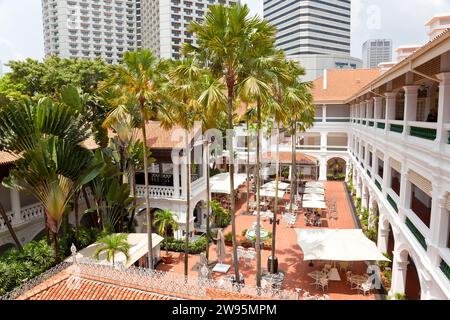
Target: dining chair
323 283
365 287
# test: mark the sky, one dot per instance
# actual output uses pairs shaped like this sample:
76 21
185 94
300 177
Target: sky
400 20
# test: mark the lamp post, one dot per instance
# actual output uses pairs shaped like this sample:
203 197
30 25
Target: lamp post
272 263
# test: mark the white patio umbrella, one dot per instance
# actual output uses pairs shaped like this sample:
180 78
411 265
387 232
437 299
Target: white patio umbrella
220 247
271 193
220 183
314 190
337 245
272 185
313 197
314 205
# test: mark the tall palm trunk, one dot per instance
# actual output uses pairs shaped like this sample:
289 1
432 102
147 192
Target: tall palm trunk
258 208
208 200
75 212
133 194
275 210
9 226
247 169
231 171
56 247
188 204
294 165
88 206
146 194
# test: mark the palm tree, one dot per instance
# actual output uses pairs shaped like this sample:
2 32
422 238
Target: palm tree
113 244
183 86
212 100
53 165
226 40
165 221
138 79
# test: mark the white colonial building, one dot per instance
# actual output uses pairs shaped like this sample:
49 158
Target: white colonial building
400 159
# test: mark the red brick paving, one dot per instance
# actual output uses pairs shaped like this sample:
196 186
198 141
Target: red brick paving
290 256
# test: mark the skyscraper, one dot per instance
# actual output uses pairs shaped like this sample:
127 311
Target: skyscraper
90 28
311 26
165 23
376 51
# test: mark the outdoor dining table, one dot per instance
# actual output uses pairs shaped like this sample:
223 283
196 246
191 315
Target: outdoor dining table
316 275
274 278
333 275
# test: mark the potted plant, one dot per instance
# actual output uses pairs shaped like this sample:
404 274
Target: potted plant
165 221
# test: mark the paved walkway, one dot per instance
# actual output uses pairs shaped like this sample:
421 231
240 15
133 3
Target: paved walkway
289 254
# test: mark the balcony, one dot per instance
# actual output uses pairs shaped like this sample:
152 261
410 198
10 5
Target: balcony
398 128
424 130
27 214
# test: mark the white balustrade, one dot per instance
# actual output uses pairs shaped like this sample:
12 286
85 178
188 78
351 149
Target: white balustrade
10 216
156 191
32 212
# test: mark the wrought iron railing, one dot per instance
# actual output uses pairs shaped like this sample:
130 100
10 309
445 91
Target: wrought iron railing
371 123
381 125
378 184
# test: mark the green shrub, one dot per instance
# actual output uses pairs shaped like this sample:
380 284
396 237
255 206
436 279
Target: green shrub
244 232
195 247
17 266
220 215
228 237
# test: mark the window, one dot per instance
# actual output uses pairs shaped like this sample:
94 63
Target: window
395 181
380 167
421 204
370 159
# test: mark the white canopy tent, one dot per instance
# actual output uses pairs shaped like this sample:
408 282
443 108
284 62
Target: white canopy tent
272 185
314 205
313 197
220 183
314 190
138 248
314 184
337 245
271 193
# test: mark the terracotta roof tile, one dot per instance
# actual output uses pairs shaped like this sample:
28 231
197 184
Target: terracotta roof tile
342 84
285 157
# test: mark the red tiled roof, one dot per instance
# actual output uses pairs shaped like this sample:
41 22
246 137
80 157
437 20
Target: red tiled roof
7 158
285 157
66 286
342 84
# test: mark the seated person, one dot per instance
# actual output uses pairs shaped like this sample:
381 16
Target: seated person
432 116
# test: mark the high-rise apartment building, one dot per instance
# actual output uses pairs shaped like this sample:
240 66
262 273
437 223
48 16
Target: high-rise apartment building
311 26
165 23
91 28
376 51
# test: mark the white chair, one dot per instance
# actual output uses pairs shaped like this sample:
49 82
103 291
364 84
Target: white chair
323 283
365 287
240 252
349 275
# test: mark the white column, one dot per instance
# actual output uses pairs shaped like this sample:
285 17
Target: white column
176 178
439 223
410 106
15 206
386 175
405 193
323 141
399 269
443 109
347 172
370 107
377 107
390 108
324 113
383 235
364 197
323 169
